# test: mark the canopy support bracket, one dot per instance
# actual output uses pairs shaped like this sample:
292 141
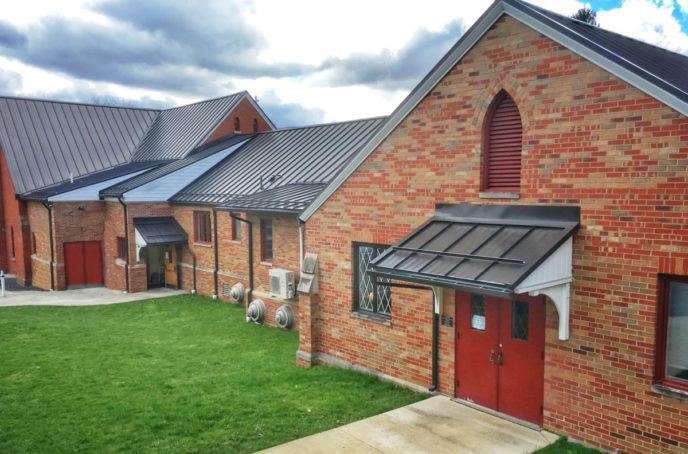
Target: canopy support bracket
560 296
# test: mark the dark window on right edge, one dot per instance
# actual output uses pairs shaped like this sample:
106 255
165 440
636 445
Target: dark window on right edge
671 361
363 284
266 240
502 144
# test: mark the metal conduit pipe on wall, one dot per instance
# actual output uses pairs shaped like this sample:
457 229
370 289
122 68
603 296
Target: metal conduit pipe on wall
250 255
49 206
126 241
193 258
435 325
216 252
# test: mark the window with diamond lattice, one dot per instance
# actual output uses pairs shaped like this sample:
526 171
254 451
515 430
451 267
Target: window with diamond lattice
363 284
519 320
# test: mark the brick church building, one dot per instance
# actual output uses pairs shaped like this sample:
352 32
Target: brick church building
513 235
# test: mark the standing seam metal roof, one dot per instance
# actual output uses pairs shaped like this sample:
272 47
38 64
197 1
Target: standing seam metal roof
140 180
312 154
486 249
90 179
46 142
177 131
292 198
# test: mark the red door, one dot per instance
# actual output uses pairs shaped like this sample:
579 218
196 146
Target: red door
500 353
83 264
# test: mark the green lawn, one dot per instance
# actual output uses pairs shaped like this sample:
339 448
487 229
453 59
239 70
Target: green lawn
180 374
563 446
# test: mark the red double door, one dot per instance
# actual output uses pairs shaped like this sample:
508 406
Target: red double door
500 353
83 264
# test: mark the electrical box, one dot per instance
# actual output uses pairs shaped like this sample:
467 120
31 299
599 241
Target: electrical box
308 280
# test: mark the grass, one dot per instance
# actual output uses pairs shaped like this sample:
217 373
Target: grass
563 446
180 374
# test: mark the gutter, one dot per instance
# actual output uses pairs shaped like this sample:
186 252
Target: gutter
49 206
250 255
126 240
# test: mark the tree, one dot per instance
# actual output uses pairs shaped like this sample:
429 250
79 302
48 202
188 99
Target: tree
588 15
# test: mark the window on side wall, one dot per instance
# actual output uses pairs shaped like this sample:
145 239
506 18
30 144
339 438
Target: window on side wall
255 125
237 124
34 243
12 239
121 248
671 362
266 240
364 300
502 145
236 229
202 233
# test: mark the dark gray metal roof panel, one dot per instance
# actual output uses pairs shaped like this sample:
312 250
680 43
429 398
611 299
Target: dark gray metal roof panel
45 142
292 198
159 231
659 66
177 131
482 248
90 179
313 154
140 180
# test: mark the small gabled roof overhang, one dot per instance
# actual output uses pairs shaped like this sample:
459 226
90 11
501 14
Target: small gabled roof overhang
655 71
157 231
289 199
498 250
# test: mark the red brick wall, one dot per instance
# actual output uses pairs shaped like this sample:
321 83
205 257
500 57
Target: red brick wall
114 227
74 222
138 277
233 256
246 114
590 140
40 260
14 216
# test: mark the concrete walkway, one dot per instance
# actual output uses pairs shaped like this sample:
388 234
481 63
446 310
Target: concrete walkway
81 297
436 425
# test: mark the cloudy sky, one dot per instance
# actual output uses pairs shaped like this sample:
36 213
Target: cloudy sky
307 61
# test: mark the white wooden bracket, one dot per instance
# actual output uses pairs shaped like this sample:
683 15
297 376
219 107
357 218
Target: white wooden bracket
560 296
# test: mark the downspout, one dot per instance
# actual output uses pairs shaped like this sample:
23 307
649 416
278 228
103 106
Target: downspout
49 206
126 241
436 303
301 225
250 255
193 257
216 252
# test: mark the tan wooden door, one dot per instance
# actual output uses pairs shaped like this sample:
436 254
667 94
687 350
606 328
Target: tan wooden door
171 279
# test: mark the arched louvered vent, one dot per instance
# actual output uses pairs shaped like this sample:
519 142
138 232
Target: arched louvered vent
502 164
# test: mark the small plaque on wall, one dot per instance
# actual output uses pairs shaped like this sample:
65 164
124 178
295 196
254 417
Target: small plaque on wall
447 320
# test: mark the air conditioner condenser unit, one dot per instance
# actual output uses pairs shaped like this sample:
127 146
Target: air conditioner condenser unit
282 283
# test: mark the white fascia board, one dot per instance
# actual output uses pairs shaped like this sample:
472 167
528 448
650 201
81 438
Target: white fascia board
161 189
91 192
455 55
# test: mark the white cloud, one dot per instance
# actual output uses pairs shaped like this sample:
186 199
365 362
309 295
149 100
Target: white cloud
647 21
314 31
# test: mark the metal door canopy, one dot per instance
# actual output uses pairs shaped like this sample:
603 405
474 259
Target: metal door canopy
157 231
487 249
